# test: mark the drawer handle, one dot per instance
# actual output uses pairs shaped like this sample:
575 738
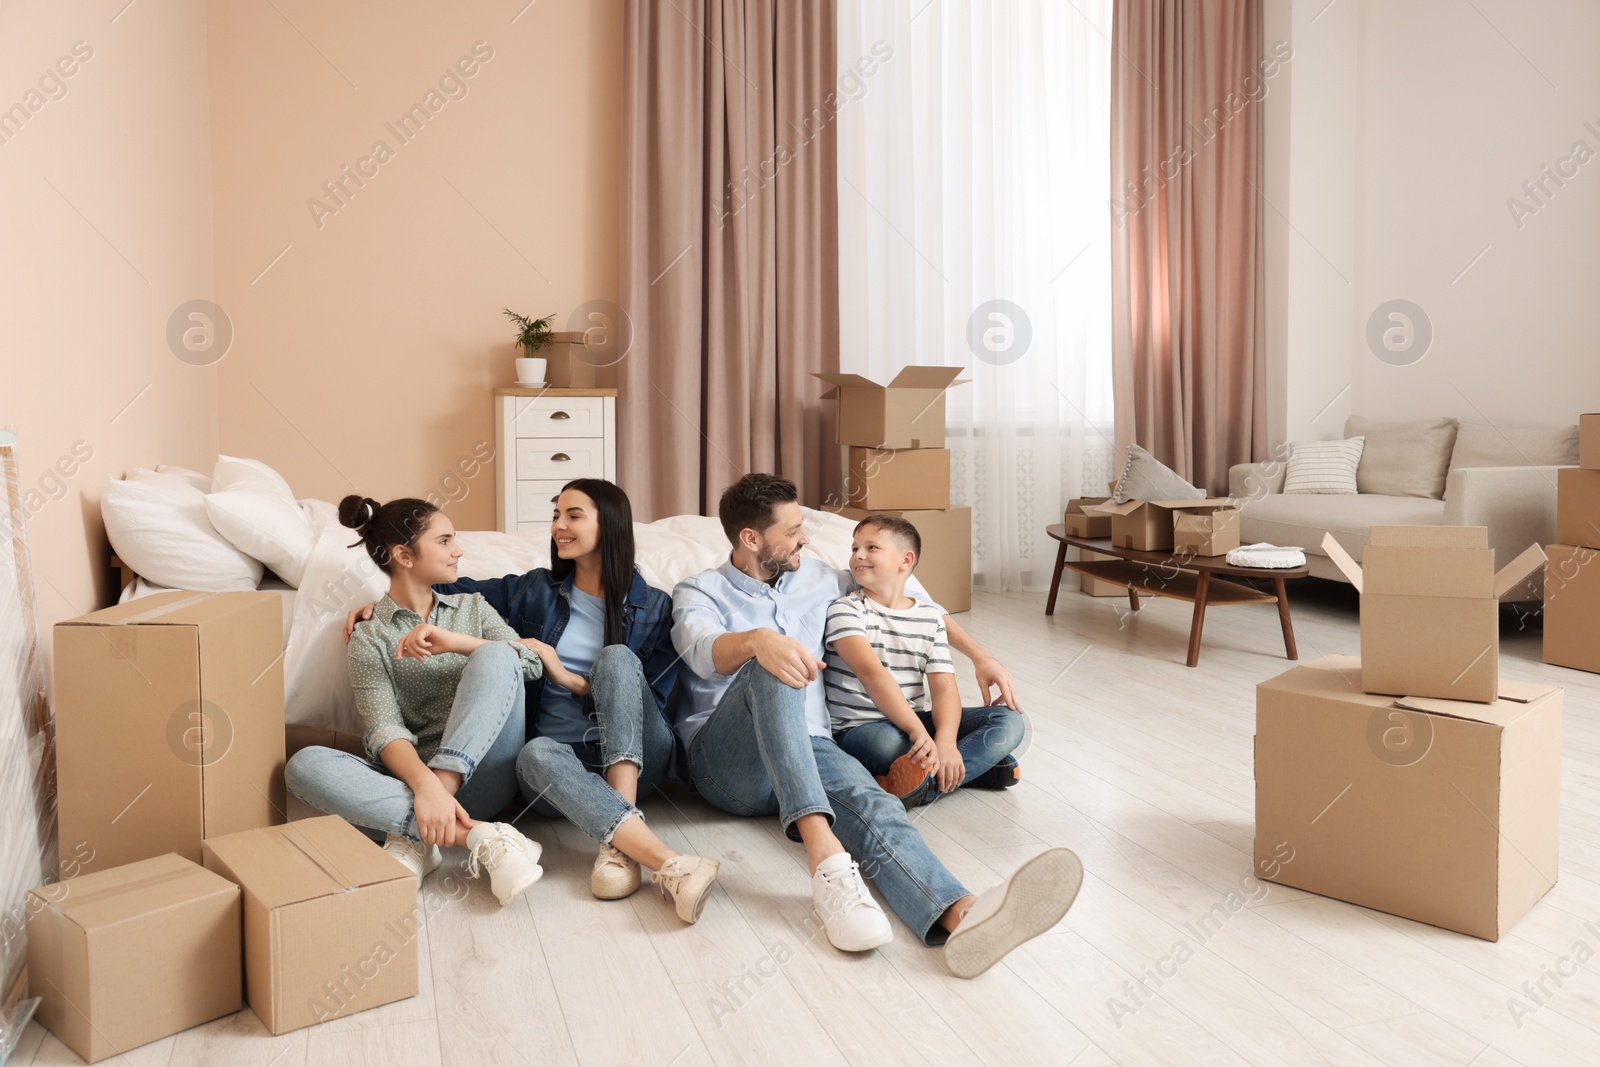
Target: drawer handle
560 457
559 415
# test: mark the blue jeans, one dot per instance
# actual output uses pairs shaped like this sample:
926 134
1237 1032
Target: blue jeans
985 737
753 756
481 738
560 779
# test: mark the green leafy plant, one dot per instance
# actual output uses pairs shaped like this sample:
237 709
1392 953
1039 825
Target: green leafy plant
532 334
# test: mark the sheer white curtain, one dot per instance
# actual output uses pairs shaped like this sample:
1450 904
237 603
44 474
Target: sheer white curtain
974 166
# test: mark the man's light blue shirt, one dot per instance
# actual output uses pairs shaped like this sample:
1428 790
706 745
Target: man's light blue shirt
726 600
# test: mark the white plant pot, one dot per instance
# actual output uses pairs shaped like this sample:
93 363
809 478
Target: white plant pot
530 370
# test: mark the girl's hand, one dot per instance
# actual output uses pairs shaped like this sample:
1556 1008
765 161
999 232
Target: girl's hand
426 639
441 820
952 768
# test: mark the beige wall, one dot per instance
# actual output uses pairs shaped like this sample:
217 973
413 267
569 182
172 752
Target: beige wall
1410 124
365 358
105 228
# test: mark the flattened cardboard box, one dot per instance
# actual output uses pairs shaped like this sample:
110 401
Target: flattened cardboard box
1430 609
1572 607
916 479
1446 812
1079 523
1209 530
1146 525
1578 507
945 568
1589 442
169 724
132 954
330 920
909 412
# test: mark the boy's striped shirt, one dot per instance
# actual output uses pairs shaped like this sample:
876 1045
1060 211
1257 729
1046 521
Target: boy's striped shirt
910 642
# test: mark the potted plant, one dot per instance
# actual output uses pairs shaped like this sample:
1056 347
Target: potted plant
532 335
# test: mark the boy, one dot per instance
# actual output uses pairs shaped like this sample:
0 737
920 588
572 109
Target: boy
890 684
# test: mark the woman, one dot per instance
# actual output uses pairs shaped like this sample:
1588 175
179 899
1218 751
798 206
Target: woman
439 684
602 738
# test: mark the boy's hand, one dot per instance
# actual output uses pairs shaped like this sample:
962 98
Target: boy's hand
923 752
952 768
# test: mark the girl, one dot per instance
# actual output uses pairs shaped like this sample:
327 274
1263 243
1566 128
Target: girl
438 682
602 738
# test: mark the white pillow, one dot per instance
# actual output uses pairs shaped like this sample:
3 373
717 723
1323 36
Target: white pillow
1326 467
194 478
1144 477
158 525
320 514
252 507
316 676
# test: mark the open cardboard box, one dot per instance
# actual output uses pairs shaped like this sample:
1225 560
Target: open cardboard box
1146 525
132 954
1079 523
1430 609
1205 530
1442 811
884 479
906 413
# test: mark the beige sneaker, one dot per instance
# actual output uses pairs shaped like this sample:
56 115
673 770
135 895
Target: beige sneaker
614 876
511 859
686 881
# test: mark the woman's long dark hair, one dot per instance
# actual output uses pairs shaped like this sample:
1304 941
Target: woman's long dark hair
615 515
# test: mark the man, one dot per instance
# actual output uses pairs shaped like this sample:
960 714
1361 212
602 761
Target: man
755 725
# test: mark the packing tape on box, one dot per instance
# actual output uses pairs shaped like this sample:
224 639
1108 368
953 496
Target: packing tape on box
164 609
310 852
109 891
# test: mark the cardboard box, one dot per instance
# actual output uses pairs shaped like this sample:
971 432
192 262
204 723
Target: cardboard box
169 724
132 954
1445 812
1589 442
1578 507
1146 525
906 413
1572 607
879 479
1081 524
1096 586
1430 609
1212 530
574 366
330 920
945 567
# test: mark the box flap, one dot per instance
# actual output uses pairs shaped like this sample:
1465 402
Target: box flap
1076 505
179 608
1515 698
1432 571
1204 502
1431 536
847 381
923 377
1342 559
1507 577
304 859
1109 508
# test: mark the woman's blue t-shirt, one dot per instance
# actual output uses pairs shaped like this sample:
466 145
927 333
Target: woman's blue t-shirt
560 716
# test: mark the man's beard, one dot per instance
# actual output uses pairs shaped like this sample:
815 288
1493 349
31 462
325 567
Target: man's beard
775 564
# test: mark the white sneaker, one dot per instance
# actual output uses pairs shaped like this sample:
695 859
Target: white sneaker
1026 905
853 920
686 881
511 859
615 875
416 857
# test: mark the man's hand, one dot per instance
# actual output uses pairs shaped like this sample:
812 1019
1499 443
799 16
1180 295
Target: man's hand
786 659
990 673
952 768
358 615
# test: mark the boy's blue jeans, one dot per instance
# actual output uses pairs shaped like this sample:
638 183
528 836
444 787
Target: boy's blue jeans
986 736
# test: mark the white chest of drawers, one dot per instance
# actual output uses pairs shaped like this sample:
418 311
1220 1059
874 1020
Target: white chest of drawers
547 437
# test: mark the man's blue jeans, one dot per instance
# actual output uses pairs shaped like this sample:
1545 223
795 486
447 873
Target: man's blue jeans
481 738
985 737
561 779
753 756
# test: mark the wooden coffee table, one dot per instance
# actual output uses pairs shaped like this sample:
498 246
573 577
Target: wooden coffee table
1199 580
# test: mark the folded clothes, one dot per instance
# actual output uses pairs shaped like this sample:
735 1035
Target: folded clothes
1267 556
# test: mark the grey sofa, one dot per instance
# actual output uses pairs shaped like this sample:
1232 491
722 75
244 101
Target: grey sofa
1446 473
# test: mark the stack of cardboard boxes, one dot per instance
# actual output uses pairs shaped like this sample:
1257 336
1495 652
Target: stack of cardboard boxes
898 465
1415 780
169 753
1572 580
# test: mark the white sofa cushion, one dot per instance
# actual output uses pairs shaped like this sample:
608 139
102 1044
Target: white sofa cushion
1302 519
1323 467
1480 444
1144 477
1403 458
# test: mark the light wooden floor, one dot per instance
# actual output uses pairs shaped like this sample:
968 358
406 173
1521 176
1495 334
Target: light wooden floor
1141 765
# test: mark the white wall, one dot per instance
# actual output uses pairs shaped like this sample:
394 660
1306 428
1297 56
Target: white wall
1410 124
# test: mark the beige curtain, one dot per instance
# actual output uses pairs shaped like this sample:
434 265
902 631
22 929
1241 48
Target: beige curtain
1188 333
729 249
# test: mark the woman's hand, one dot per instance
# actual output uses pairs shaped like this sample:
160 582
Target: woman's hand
441 820
426 639
952 768
555 670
